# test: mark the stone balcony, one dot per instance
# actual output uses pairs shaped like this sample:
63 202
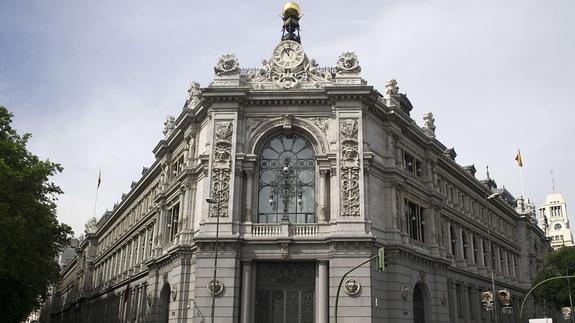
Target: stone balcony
283 230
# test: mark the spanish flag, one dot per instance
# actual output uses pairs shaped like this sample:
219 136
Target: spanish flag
518 158
99 178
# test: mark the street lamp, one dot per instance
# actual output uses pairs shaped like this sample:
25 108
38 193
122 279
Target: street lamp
490 197
213 288
287 186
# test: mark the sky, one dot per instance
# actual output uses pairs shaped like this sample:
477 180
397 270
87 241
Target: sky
93 81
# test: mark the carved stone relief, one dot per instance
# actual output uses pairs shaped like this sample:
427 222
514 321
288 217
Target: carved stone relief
322 123
221 167
227 65
192 99
288 71
190 147
349 159
263 125
352 287
168 125
91 226
347 63
252 123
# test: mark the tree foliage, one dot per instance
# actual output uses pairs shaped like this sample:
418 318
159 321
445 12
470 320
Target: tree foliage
557 263
30 235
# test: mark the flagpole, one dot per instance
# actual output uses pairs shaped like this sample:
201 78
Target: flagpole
96 201
521 177
519 160
97 190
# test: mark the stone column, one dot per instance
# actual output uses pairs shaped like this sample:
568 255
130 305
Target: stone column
505 263
459 246
513 267
184 207
246 305
450 250
322 292
431 228
131 253
146 244
323 178
181 211
481 253
401 214
249 195
399 154
191 207
472 247
158 229
138 248
498 260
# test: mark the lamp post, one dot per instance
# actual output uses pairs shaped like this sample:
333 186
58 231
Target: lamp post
287 186
490 197
213 287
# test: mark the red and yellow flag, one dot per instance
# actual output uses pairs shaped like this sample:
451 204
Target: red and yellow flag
518 158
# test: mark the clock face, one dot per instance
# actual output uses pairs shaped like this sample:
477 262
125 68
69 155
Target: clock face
288 54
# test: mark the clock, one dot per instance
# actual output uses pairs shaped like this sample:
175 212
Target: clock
288 54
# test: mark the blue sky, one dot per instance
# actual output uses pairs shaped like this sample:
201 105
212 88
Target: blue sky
94 80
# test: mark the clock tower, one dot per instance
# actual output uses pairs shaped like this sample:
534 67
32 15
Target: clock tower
554 221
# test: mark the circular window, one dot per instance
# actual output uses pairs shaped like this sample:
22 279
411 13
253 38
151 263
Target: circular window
557 226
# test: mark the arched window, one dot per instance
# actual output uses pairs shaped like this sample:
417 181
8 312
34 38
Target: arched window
286 180
557 226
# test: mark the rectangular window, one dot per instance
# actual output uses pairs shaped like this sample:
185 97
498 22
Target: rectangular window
412 165
173 220
178 165
414 220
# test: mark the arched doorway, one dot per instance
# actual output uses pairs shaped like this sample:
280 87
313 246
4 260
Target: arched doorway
164 309
418 304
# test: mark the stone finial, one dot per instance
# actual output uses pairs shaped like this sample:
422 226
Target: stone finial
193 94
520 208
470 170
450 153
391 89
168 125
347 63
91 226
227 65
429 124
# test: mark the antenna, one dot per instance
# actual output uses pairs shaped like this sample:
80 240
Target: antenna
553 180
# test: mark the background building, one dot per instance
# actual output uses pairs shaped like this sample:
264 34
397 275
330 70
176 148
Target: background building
554 221
310 170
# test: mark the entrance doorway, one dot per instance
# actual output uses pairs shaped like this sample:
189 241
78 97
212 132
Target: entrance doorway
285 292
418 304
164 303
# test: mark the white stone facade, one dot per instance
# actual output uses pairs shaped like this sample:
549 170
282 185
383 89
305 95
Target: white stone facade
379 180
553 219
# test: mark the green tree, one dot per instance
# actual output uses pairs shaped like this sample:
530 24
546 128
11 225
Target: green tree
30 235
560 262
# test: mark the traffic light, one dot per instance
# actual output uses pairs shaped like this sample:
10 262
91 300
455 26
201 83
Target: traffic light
380 259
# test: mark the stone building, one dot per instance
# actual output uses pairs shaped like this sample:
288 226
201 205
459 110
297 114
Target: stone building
308 171
554 221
